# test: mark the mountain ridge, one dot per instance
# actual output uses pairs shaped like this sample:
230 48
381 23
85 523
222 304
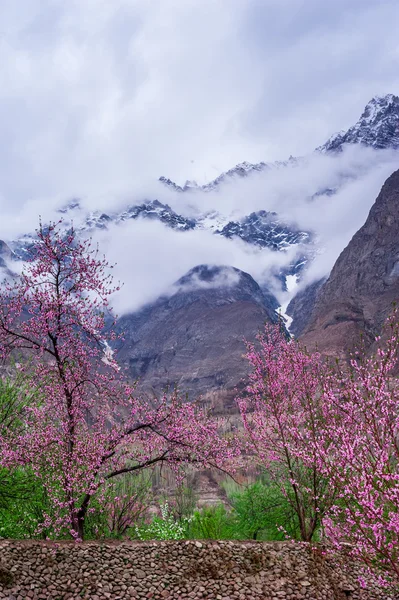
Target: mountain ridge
194 337
364 282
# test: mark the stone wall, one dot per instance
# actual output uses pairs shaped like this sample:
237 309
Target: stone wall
175 570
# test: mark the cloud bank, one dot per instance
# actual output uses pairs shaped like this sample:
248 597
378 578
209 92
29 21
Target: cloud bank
151 257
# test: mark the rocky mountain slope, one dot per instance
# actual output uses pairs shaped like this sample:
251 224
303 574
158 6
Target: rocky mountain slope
364 282
301 306
378 127
5 254
195 337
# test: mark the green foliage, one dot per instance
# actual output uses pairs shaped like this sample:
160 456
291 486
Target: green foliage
213 523
23 505
16 394
262 512
257 511
23 502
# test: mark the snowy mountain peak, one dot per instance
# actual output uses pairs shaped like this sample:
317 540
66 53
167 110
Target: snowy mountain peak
171 184
70 206
240 170
378 127
149 209
266 230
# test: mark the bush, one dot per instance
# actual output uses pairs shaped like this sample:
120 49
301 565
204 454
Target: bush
163 527
23 505
262 512
213 523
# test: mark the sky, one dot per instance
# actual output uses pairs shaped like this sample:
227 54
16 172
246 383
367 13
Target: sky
99 98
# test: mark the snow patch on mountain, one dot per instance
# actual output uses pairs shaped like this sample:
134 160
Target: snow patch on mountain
291 285
378 127
266 230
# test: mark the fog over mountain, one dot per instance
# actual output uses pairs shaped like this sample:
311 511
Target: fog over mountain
272 220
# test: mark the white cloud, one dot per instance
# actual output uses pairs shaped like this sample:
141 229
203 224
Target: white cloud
152 257
149 258
98 97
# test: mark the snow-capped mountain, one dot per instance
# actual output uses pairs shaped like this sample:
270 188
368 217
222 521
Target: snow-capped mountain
262 229
173 337
240 171
378 127
266 230
150 209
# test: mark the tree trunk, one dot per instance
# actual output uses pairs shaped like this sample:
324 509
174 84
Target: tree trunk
79 517
82 512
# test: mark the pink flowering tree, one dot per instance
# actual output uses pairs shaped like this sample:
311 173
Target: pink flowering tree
89 426
329 435
358 451
281 413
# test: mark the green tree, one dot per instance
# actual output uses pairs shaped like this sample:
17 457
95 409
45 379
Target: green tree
261 511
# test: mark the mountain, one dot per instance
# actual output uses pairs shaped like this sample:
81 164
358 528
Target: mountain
195 336
266 230
301 306
149 209
378 127
241 170
364 282
5 254
262 229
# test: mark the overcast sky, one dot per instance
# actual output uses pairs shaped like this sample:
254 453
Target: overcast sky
100 96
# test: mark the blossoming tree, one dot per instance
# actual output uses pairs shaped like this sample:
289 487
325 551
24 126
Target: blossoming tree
329 435
358 450
89 426
281 412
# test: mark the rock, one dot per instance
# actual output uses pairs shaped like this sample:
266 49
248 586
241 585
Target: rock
301 307
195 337
139 573
363 284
